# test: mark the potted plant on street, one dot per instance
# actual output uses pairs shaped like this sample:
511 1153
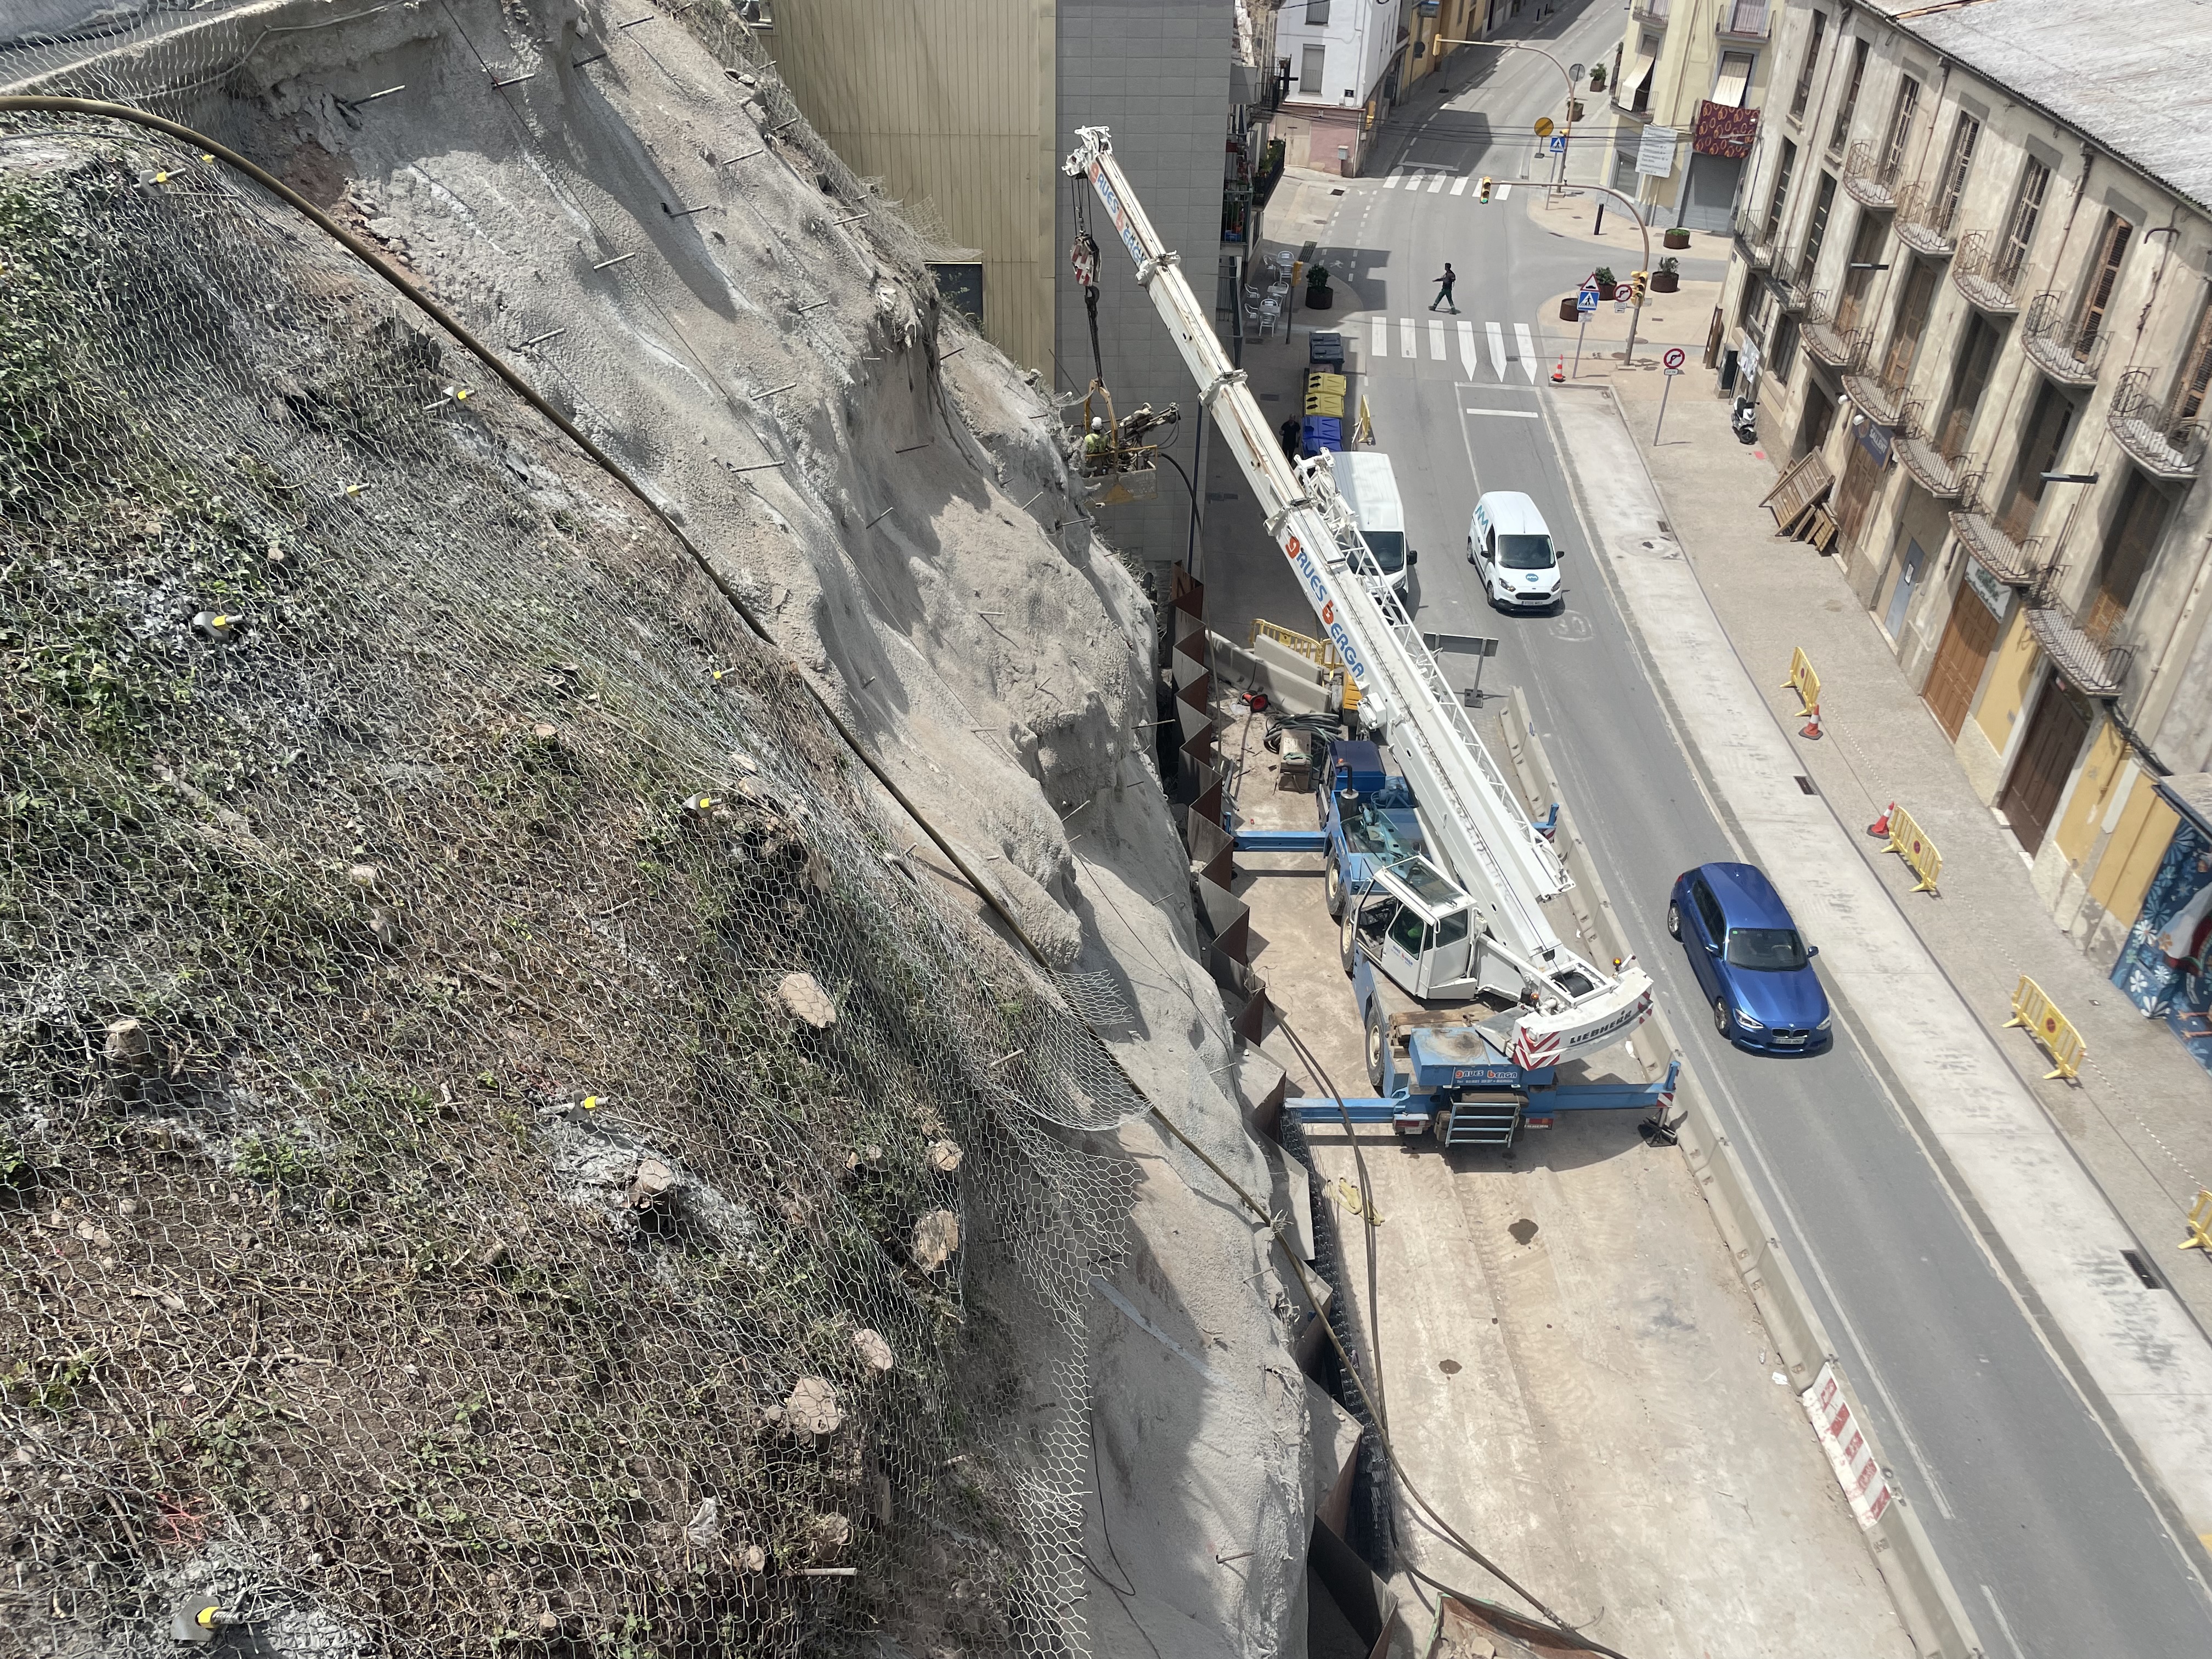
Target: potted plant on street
1668 277
1317 294
1568 311
1678 237
1597 78
1603 277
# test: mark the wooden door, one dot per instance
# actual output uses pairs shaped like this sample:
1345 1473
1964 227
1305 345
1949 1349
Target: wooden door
2054 737
1968 639
1861 475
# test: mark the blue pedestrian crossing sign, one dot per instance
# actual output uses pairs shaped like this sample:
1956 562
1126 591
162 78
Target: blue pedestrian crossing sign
1586 301
1558 143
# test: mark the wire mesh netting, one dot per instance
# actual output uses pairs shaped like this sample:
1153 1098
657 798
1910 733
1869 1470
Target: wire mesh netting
496 1147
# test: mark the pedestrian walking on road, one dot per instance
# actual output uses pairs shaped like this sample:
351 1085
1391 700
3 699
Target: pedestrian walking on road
1443 290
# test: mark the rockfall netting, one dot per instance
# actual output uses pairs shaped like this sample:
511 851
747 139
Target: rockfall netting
498 1150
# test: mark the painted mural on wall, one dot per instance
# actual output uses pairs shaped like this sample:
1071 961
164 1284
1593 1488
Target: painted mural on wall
2167 966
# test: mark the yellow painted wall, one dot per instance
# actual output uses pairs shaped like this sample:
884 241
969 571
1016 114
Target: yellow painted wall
2132 856
954 100
2010 678
2092 794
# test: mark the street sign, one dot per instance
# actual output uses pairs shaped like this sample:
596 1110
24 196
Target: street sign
1586 301
1543 126
1674 357
1655 152
1470 645
1558 143
1574 71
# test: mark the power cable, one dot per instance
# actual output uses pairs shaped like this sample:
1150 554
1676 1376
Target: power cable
102 110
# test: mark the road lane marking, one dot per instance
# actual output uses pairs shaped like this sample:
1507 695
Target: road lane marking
1406 346
1437 183
1436 339
1467 346
1459 187
1512 414
2003 1623
1501 192
1496 348
1378 334
1527 345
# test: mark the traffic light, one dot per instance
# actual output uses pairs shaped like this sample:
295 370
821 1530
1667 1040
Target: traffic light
1637 282
1484 196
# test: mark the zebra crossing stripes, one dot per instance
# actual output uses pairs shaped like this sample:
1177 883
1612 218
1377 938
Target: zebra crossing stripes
1496 348
1459 185
1441 334
1404 337
1527 341
1436 339
1467 346
1378 337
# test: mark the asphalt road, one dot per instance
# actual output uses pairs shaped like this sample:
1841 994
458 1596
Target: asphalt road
2050 1540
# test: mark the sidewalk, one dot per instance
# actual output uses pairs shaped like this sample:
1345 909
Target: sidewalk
2139 1118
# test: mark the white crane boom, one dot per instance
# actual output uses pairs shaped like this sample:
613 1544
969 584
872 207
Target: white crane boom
1473 815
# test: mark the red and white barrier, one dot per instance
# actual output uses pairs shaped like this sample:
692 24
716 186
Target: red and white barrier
1848 1455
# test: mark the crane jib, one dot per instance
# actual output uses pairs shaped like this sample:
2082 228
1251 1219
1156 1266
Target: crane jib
1324 604
1113 204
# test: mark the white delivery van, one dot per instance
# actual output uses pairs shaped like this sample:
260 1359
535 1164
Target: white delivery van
1370 489
1509 546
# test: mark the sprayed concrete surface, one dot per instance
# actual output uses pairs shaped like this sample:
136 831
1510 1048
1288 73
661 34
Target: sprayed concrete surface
1572 1373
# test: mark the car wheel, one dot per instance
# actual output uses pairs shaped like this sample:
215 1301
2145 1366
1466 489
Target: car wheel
1375 1041
1720 1015
1347 940
1332 886
1674 920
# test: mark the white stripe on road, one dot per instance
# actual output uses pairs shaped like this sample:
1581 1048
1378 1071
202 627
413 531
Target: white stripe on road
1527 345
1436 340
1391 183
1496 348
1514 414
1437 183
1405 348
1499 192
1378 334
1459 187
1467 346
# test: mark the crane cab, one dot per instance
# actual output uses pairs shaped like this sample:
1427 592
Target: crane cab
1417 926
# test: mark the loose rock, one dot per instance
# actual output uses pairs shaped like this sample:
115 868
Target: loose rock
936 1236
944 1156
874 1352
807 1000
811 1407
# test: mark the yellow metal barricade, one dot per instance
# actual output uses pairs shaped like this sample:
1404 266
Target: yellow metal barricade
1910 843
1804 681
2200 1224
1365 432
2033 1013
1319 653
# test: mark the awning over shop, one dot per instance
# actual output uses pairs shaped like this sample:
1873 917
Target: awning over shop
1639 81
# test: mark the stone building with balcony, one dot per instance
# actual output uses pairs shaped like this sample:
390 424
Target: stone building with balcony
1699 69
1972 280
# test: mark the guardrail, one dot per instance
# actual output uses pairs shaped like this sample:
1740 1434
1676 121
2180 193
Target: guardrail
1911 842
2033 1011
1911 1572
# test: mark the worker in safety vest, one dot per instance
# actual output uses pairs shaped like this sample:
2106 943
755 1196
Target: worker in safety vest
1097 448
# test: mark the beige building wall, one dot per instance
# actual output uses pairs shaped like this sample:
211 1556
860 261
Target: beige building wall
953 101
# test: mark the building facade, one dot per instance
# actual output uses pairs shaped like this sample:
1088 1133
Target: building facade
1341 58
1699 69
1972 278
972 106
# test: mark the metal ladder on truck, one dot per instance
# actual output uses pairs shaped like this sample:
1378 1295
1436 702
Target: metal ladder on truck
1473 819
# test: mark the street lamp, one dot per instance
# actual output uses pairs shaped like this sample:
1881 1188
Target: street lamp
2070 478
1865 264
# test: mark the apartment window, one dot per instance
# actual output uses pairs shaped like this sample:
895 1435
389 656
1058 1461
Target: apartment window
1817 228
1900 128
2049 426
2019 224
2137 529
1912 308
1951 183
1804 95
2189 392
1968 381
1734 80
1312 61
1780 199
1781 355
1639 90
1317 11
2104 278
1865 249
1848 107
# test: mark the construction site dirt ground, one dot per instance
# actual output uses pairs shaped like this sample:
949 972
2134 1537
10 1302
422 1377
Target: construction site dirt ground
1571 1371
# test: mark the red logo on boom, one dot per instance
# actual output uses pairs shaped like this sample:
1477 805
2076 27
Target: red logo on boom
1290 548
1328 613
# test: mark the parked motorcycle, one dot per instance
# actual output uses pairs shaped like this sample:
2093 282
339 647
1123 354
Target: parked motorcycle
1744 421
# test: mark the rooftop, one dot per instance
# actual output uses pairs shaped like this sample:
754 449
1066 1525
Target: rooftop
2128 75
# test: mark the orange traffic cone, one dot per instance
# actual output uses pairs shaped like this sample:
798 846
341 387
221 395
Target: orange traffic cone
1880 828
1812 727
1559 370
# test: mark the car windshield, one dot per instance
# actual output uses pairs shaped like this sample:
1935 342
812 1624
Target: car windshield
1525 552
1775 949
1388 547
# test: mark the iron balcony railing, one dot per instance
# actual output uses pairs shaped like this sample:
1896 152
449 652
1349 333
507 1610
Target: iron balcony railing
1980 274
2064 350
1943 475
1792 285
1871 179
2084 657
1823 339
1745 20
2012 562
1754 237
2167 447
1924 222
1650 11
1879 401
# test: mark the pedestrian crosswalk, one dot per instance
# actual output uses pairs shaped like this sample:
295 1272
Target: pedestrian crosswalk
1430 180
1490 347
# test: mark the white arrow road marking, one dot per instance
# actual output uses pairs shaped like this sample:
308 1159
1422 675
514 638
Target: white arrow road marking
1496 348
1378 335
1527 345
1406 346
1436 339
1467 346
1459 187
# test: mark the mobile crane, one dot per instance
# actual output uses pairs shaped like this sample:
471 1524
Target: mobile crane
1434 939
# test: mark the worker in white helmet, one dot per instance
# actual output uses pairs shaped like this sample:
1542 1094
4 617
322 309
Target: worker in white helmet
1097 448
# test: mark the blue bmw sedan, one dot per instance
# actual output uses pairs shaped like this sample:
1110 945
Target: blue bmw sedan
1747 956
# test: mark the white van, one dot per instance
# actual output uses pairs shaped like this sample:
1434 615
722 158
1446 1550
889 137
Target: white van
1370 489
1509 546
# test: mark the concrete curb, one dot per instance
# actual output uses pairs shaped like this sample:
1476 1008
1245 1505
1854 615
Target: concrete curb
1929 1608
